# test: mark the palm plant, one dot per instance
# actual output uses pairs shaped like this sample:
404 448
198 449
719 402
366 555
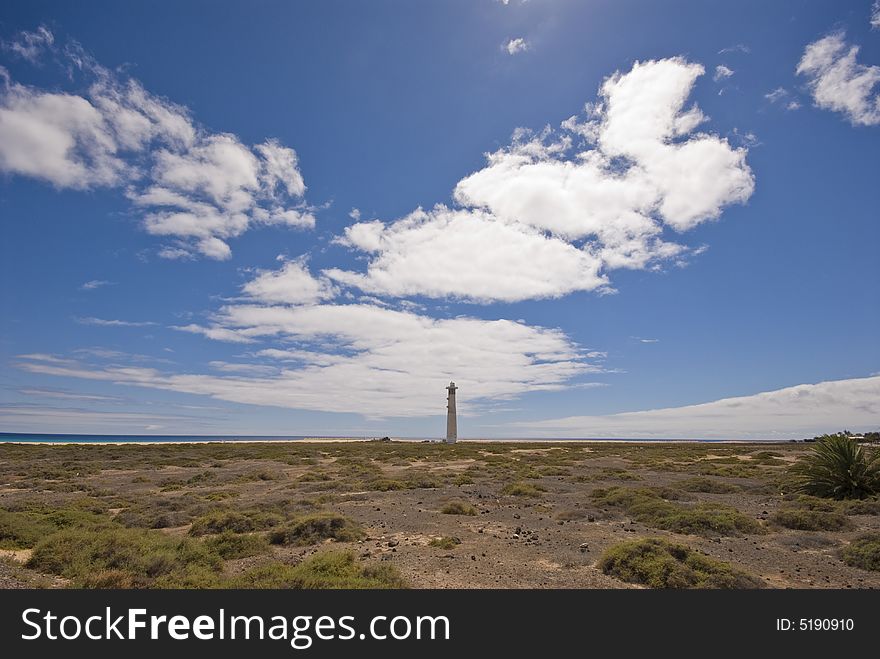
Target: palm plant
838 468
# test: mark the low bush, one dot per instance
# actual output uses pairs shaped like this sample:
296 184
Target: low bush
325 570
311 529
811 520
445 542
22 529
660 564
237 522
458 508
523 490
229 545
708 485
134 557
863 552
649 508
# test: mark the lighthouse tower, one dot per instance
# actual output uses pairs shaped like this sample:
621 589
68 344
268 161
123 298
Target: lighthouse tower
451 421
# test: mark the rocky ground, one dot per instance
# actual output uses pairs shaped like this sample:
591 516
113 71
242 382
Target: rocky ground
537 522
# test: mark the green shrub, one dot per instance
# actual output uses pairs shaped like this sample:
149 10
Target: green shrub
419 481
230 520
811 520
230 545
315 528
523 490
838 468
386 484
331 569
458 508
22 529
444 542
138 557
862 507
708 485
661 564
863 552
647 507
462 479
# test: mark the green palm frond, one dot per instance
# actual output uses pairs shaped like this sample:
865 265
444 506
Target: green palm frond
838 468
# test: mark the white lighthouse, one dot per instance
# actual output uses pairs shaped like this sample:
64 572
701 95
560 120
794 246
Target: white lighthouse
451 421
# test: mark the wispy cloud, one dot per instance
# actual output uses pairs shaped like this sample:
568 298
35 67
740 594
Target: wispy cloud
30 45
736 48
784 98
359 358
23 418
793 412
722 72
95 283
67 395
102 322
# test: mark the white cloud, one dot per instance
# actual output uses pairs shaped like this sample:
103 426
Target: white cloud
782 96
839 83
875 15
292 284
514 46
95 283
72 420
467 254
196 187
737 48
545 218
58 138
101 322
794 412
66 395
722 72
216 333
358 358
246 369
30 45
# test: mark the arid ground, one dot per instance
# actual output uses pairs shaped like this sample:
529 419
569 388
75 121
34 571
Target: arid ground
470 515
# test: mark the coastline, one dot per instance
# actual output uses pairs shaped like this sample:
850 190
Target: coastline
350 440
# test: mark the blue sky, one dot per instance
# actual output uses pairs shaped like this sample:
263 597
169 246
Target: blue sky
598 218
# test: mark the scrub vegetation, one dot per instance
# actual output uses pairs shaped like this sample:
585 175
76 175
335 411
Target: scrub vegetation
389 514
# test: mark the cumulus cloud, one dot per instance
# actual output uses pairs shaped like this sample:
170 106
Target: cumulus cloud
194 187
466 254
546 217
838 82
514 46
794 412
292 284
359 358
722 72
